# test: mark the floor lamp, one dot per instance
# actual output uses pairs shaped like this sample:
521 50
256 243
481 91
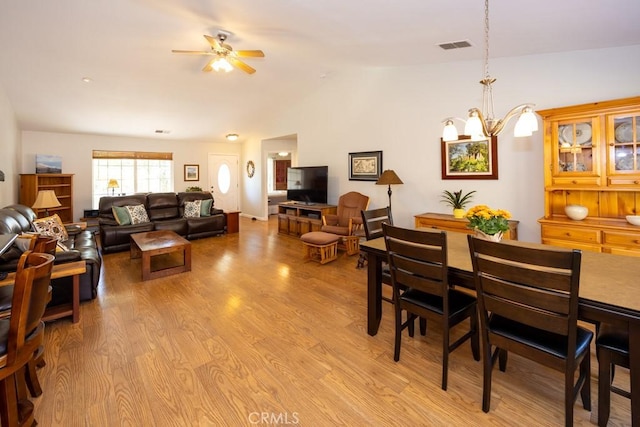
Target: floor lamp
389 178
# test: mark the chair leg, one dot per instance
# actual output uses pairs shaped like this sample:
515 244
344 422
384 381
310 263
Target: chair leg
8 402
396 351
568 398
503 355
423 326
487 365
445 355
604 384
585 372
31 378
475 338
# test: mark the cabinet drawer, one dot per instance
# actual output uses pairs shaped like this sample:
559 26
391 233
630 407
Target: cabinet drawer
572 245
621 251
573 234
576 180
622 181
627 240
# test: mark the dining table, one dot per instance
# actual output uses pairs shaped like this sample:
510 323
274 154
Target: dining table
609 292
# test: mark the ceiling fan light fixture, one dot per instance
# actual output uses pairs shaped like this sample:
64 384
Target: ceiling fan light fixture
221 64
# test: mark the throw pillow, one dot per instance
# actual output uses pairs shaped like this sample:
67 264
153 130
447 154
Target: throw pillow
60 247
121 214
51 226
192 209
205 207
138 214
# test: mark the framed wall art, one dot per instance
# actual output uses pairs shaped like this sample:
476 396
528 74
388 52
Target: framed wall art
192 172
365 166
467 159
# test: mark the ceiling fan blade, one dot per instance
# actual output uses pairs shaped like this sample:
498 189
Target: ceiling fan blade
207 68
249 53
241 65
212 41
192 52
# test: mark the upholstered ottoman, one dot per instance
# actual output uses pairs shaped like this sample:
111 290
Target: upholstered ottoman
320 246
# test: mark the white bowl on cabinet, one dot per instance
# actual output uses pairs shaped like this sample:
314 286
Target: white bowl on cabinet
633 219
576 212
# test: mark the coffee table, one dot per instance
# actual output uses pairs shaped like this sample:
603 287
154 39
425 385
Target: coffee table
153 244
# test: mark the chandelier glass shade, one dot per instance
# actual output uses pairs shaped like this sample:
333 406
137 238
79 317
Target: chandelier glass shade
481 124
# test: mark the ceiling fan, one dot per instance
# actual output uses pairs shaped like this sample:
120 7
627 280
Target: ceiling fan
225 56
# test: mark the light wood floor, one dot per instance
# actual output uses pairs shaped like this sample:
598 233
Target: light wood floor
254 335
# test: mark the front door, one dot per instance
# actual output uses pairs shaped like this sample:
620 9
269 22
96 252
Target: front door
223 181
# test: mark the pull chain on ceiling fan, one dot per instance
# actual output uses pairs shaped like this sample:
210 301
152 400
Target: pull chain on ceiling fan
225 57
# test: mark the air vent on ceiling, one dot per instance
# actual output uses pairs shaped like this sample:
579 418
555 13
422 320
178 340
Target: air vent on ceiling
455 45
163 131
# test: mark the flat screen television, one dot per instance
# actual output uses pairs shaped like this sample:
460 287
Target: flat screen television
307 184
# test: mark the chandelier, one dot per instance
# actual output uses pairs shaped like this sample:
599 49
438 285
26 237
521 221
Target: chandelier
481 124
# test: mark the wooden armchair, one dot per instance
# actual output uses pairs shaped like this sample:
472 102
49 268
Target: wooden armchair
348 219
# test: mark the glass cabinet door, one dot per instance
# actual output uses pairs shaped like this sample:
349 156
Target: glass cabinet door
575 143
624 144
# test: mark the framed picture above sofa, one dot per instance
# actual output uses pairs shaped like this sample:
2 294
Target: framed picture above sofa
192 172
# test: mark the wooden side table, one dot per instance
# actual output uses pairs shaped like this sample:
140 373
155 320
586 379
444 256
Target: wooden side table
74 269
449 223
233 221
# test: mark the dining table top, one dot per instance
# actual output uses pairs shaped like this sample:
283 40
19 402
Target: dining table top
607 279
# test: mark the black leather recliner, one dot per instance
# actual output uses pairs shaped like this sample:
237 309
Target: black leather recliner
82 245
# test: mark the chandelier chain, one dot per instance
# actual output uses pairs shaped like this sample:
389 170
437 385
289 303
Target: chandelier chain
486 38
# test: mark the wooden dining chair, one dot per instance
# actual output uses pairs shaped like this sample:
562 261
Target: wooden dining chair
40 244
528 305
21 334
612 349
419 276
372 221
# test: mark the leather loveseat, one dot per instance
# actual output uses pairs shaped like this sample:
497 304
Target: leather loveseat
165 212
81 245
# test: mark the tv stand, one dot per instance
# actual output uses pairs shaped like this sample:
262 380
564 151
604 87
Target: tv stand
296 219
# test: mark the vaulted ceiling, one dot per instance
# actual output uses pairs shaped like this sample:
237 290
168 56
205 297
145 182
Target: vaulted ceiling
137 85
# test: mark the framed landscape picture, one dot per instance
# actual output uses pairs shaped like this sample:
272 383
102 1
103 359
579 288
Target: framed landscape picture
192 172
467 159
365 166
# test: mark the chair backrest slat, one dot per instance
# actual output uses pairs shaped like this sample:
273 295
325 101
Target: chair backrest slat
373 219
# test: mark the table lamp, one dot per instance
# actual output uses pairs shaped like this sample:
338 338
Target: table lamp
389 178
113 184
46 199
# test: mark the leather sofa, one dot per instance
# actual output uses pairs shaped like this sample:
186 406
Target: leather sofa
82 245
165 212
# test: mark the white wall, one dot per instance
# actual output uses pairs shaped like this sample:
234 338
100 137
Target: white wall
76 150
400 111
10 145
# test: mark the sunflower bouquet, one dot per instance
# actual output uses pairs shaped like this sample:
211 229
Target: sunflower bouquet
489 221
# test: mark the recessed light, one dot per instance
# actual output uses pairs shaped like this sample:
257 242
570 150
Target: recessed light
232 136
87 79
283 153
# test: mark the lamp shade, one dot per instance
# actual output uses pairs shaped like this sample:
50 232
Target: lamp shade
113 183
389 177
46 199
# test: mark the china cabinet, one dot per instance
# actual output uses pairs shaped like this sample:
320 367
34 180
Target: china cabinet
592 158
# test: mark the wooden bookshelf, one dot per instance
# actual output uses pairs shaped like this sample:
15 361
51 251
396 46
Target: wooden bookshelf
61 184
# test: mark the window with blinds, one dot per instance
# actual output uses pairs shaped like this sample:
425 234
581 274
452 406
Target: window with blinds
129 172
